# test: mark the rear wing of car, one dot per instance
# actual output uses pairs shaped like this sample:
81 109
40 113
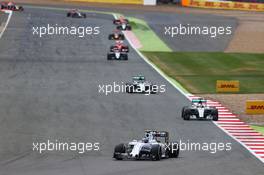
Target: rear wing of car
159 134
140 77
199 101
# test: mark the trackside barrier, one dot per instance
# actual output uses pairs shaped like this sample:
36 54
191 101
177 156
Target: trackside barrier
228 5
112 1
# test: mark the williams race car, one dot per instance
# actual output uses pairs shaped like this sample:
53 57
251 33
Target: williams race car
120 47
199 110
117 35
124 26
140 85
149 148
11 6
120 20
117 55
74 13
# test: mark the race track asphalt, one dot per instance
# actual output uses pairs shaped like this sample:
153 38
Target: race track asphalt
49 90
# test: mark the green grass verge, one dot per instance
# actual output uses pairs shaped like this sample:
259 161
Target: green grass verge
258 128
148 38
198 72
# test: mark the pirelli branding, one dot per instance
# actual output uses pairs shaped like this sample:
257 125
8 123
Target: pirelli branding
255 107
227 86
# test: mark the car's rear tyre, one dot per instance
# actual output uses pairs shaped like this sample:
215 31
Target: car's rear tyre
112 48
119 149
122 37
156 152
129 88
110 37
174 150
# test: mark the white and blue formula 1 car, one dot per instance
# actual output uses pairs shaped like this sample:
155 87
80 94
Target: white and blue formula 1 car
148 148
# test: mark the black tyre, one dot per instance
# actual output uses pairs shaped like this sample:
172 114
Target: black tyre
125 57
153 89
128 28
183 111
84 15
122 37
115 22
110 37
129 88
186 114
174 150
215 115
112 48
109 57
119 149
156 153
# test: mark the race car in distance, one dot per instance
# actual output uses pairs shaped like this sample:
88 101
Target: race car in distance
124 26
120 20
75 13
117 55
148 148
119 46
140 85
199 110
117 35
11 6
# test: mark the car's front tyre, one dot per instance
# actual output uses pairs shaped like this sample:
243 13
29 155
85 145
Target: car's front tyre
118 151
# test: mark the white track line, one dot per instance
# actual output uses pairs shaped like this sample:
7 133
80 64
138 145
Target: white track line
8 19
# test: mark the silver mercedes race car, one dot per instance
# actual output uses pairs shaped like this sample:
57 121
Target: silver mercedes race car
124 26
199 110
154 146
140 85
